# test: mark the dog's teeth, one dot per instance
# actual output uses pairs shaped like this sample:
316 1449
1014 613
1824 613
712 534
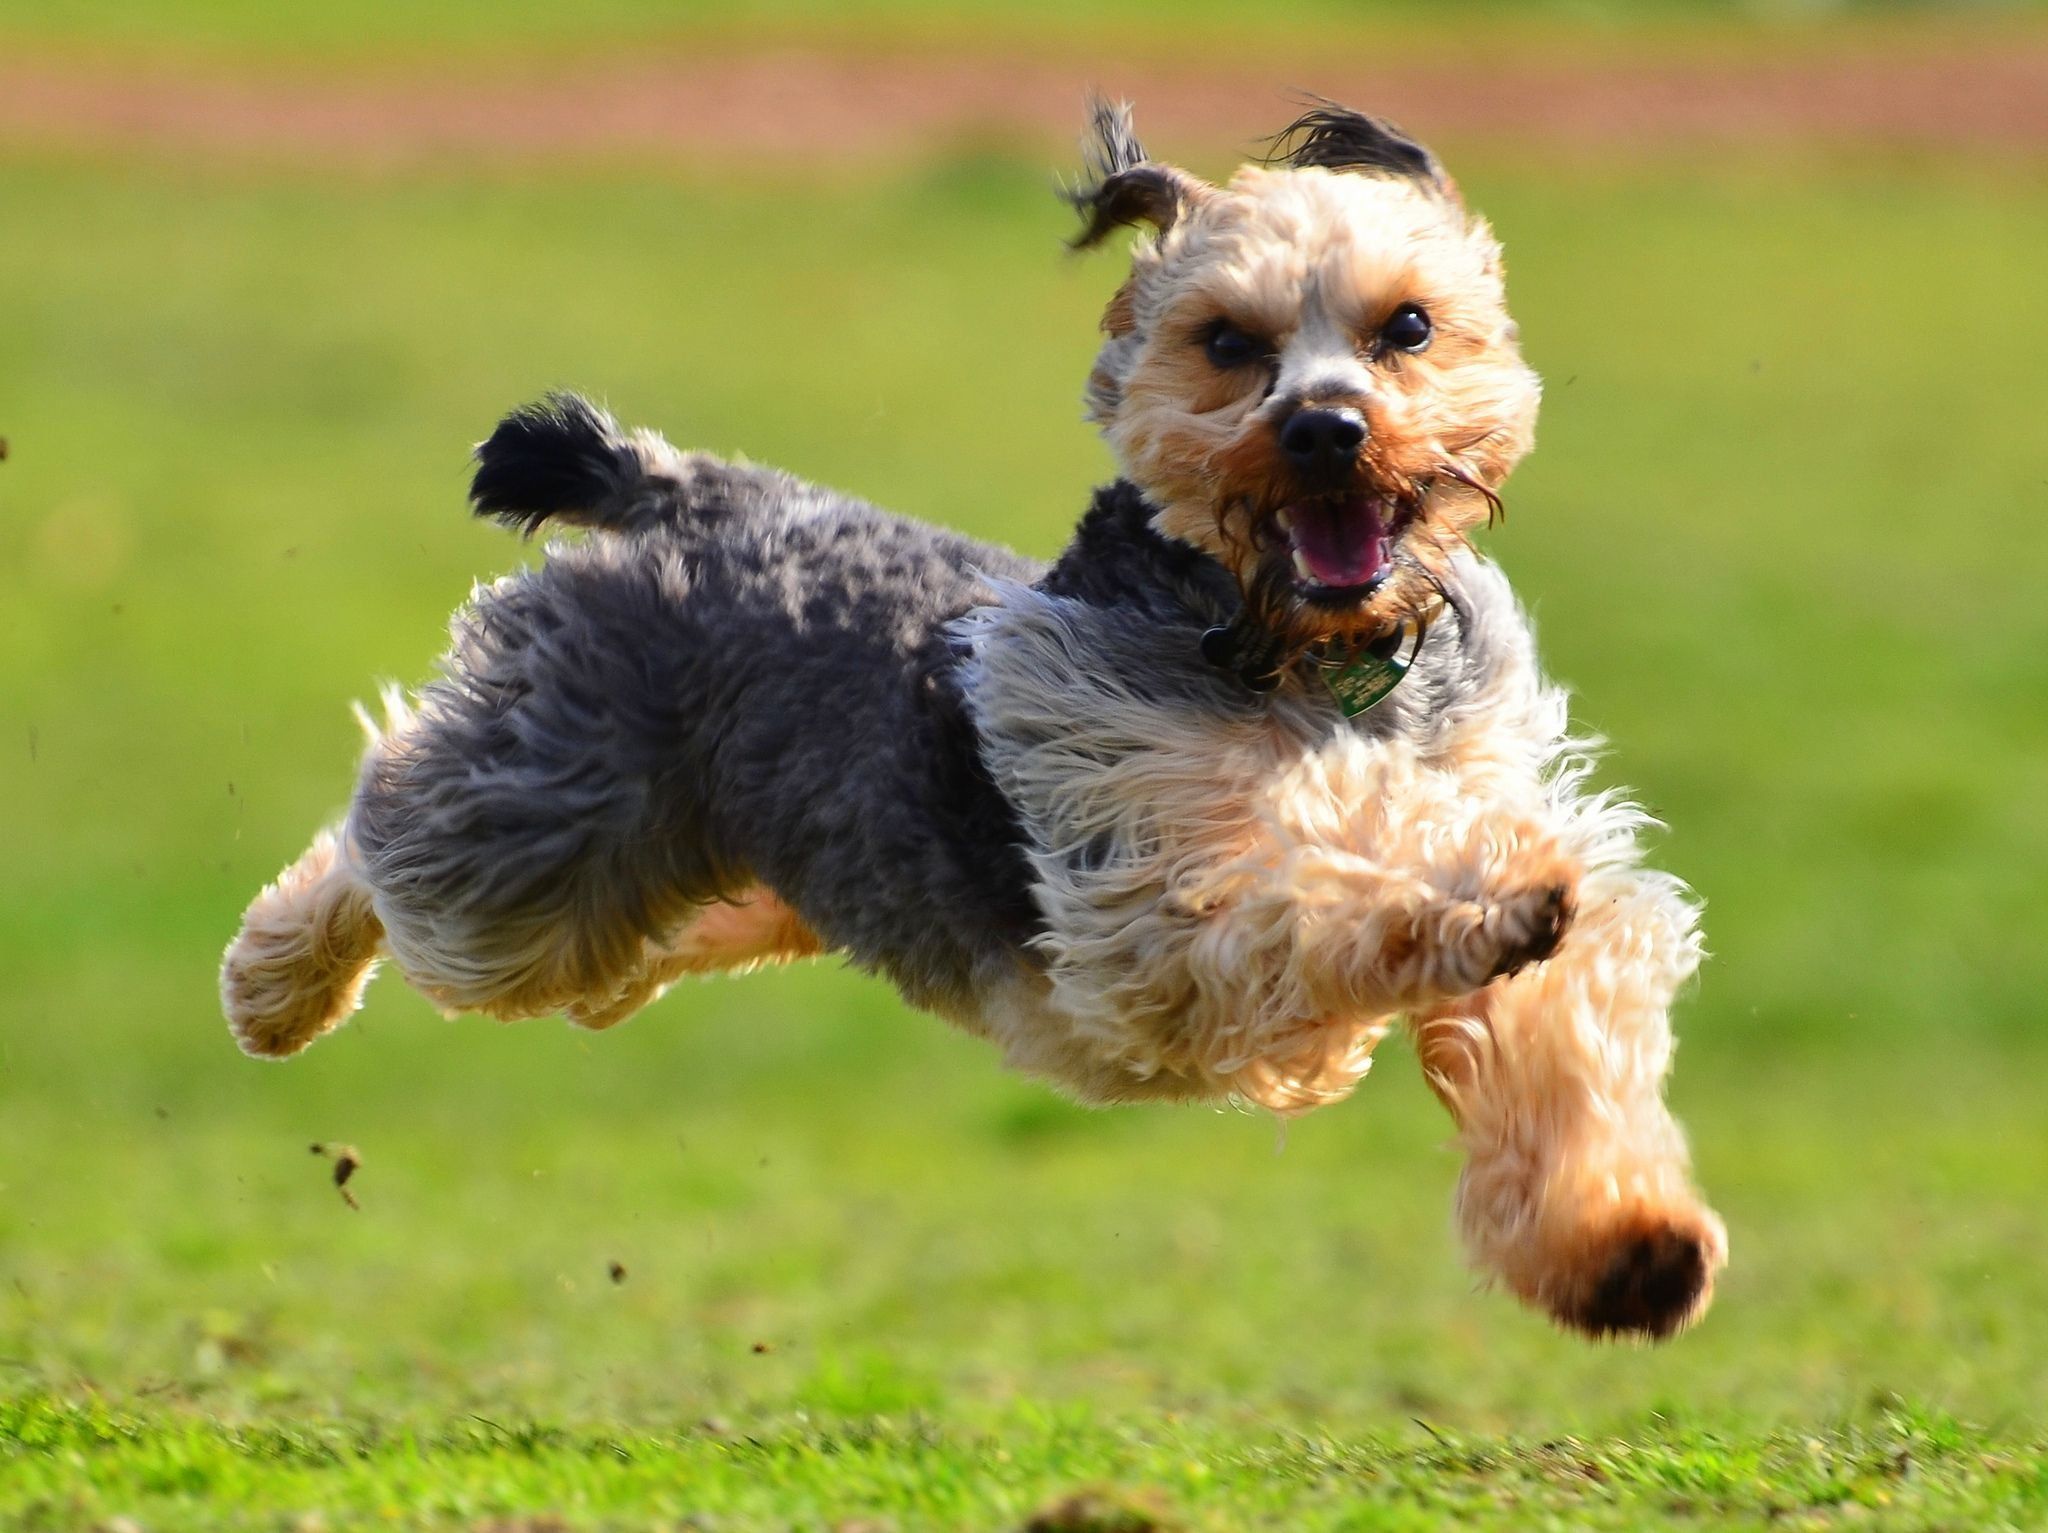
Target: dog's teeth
1284 521
1302 566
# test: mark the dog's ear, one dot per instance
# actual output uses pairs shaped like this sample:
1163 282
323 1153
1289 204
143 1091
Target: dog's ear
1337 138
1123 185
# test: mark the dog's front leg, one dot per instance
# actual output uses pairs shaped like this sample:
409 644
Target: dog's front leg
1381 938
1394 891
1577 1190
1347 902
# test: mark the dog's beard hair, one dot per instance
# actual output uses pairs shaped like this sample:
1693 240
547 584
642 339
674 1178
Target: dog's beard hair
1257 556
1269 603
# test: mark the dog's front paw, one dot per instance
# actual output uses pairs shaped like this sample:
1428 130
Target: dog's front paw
1532 923
1464 945
1649 1279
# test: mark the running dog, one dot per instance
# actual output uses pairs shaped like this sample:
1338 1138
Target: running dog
1262 764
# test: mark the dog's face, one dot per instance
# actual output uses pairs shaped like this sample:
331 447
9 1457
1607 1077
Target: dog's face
1310 371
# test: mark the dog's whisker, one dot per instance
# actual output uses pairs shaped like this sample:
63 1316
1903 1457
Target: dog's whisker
1496 508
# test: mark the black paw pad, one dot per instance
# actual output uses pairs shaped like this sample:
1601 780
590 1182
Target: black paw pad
1652 1286
1553 917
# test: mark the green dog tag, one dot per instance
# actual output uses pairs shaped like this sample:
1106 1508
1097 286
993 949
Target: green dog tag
1365 679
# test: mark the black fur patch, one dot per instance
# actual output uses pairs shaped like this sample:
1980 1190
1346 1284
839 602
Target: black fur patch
551 459
1336 138
1118 559
1123 184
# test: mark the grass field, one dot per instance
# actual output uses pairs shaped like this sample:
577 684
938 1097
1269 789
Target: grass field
1783 533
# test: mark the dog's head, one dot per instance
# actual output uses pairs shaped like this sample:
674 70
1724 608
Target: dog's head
1310 370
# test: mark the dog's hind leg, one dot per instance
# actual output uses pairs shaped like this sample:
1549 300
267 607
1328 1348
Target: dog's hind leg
745 931
307 947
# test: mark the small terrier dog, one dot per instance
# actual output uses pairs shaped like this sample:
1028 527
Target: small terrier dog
1263 762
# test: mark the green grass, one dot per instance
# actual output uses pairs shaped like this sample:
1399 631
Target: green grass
1781 535
1902 1467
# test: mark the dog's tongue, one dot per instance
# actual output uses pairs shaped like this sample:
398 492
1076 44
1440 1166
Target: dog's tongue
1339 543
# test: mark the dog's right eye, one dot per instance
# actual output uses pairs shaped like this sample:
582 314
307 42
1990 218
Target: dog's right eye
1229 347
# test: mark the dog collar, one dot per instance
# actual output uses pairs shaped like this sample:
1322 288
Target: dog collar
1362 678
1358 677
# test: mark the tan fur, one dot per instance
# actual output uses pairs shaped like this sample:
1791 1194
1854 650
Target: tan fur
1576 1171
1278 894
307 947
1275 893
1119 318
1555 1077
1275 896
1313 261
736 936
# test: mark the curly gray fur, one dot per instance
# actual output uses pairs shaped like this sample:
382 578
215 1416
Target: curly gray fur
739 677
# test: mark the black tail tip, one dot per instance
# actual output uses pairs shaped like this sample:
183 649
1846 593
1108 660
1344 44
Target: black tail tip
559 455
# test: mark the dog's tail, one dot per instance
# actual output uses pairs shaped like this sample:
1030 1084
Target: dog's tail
307 947
563 459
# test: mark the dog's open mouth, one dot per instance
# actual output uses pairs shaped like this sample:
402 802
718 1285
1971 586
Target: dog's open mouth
1342 546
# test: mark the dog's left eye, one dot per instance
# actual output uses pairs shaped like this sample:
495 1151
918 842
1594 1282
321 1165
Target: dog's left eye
1407 329
1229 347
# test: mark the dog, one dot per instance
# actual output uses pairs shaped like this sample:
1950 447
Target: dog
1262 764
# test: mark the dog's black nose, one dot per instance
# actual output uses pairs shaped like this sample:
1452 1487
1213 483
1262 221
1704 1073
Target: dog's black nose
1323 441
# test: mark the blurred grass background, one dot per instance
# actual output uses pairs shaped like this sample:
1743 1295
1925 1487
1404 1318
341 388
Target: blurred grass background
546 33
1783 533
